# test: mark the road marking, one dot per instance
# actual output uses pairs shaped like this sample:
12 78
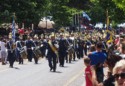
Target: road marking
73 78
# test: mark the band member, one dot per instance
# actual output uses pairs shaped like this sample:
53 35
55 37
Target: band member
62 50
35 44
70 49
3 51
52 53
78 47
85 48
18 50
43 46
11 52
29 44
73 43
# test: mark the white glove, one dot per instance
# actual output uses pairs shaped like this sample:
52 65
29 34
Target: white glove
46 52
41 45
56 45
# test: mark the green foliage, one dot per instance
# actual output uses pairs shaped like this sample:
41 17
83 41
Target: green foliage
62 14
97 14
98 11
120 4
27 11
79 4
31 11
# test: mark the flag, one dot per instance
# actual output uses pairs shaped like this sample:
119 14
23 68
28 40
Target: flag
13 30
86 16
109 36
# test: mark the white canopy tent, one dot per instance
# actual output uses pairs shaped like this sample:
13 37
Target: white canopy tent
46 23
121 25
99 25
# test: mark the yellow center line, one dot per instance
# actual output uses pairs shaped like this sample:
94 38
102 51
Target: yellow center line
73 78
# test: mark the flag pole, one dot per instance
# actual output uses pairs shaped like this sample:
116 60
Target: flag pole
107 19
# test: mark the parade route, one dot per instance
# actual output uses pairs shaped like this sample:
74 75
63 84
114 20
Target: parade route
30 74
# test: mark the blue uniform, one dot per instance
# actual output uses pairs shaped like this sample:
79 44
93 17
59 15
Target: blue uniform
18 49
62 51
11 53
35 44
29 44
51 56
43 47
79 48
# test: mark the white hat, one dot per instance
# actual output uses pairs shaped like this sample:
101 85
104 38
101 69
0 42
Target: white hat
35 36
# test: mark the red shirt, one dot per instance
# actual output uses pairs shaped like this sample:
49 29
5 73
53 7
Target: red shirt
88 72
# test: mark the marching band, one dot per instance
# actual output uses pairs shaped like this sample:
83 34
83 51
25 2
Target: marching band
57 48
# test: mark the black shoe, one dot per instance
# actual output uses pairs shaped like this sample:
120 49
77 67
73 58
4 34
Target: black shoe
11 66
60 65
30 60
51 69
67 61
3 63
54 70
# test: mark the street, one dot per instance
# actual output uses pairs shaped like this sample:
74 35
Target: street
30 74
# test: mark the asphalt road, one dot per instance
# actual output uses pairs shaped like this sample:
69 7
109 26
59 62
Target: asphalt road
30 74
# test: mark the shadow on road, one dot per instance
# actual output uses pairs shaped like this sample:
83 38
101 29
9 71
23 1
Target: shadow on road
71 63
65 67
56 72
76 61
16 68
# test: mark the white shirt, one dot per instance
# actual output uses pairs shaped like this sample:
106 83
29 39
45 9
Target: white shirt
2 46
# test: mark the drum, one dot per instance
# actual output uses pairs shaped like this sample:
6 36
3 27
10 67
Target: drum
23 54
70 49
37 52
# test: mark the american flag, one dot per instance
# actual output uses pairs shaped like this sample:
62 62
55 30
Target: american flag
13 30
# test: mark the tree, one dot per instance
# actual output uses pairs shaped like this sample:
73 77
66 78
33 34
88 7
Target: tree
79 4
99 8
62 14
27 11
120 4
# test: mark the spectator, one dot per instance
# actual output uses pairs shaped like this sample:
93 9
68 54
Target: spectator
122 50
88 73
111 61
97 59
119 73
92 48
